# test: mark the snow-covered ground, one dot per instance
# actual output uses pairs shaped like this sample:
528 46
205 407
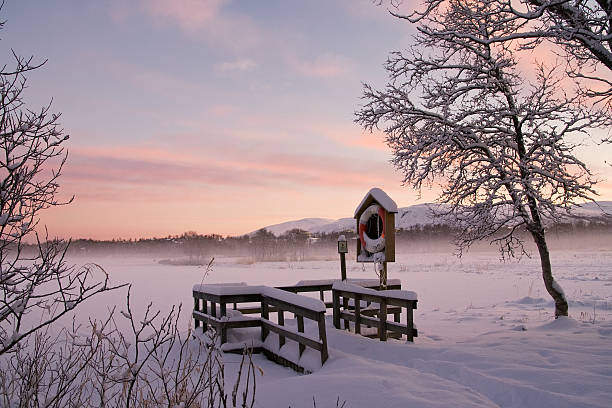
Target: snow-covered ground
487 336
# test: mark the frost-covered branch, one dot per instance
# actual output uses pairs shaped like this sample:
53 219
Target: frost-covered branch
581 29
458 111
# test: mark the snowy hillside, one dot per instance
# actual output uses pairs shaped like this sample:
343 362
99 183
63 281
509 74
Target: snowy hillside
409 217
306 224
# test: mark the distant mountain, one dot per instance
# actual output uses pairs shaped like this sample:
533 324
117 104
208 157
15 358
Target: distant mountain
306 224
419 214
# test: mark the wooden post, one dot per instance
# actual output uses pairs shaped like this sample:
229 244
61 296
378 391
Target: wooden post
345 307
300 324
213 309
223 328
357 313
196 307
323 337
382 327
336 306
383 277
409 321
342 266
205 311
264 315
321 295
281 321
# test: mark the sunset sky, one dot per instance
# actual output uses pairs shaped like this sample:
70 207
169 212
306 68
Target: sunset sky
216 116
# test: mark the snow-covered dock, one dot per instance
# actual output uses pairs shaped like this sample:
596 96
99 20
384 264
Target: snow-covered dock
211 308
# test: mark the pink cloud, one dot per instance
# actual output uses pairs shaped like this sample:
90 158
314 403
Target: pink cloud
189 14
97 172
205 19
239 65
326 66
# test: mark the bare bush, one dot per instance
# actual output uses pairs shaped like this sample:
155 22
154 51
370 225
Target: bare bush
43 363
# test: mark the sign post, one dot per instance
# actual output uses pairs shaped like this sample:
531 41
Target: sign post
342 249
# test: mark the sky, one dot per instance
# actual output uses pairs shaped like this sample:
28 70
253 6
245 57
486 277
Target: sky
214 116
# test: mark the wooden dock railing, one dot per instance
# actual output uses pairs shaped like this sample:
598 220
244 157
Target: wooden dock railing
207 297
323 287
385 302
287 303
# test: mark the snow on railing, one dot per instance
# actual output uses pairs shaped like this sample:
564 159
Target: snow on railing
206 298
347 305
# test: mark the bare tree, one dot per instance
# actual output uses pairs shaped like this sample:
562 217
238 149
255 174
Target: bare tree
42 362
457 111
150 364
582 29
36 289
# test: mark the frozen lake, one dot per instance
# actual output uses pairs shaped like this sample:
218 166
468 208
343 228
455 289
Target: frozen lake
487 336
452 291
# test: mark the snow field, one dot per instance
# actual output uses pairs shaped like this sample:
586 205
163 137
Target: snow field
487 336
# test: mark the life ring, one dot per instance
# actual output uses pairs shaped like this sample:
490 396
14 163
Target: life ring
369 244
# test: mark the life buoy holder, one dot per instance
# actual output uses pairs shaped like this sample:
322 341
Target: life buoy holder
369 244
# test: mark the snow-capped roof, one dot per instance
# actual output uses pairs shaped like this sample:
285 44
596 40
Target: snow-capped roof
376 194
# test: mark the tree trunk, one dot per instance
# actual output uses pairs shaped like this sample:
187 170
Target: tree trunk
553 288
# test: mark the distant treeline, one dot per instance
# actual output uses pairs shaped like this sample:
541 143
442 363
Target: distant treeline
293 245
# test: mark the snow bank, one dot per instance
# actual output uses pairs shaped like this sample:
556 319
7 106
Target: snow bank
561 323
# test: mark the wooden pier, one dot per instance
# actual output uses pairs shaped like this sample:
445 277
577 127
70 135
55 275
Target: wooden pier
228 306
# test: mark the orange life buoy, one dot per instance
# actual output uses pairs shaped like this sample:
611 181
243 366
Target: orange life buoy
372 245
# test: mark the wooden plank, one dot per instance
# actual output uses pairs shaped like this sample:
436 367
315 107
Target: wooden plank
389 237
206 296
230 324
281 322
290 307
375 298
223 310
323 338
250 310
345 302
306 288
300 324
242 298
205 311
196 308
370 321
382 327
409 320
264 315
373 311
398 328
357 313
336 307
302 339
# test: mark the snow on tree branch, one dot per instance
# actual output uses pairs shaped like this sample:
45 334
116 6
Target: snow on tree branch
457 110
